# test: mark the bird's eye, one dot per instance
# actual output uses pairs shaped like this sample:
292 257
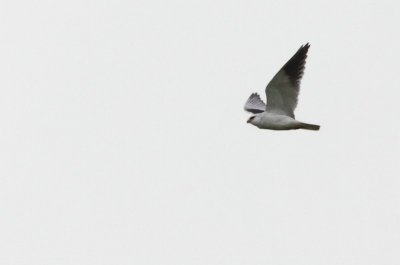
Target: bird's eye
252 117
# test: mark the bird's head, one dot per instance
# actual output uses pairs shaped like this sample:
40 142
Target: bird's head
253 119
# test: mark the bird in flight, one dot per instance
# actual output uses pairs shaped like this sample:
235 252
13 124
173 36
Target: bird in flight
282 93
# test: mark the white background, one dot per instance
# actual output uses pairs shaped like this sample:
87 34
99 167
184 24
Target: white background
123 138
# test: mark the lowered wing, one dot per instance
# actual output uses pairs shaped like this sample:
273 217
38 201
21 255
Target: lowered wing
254 104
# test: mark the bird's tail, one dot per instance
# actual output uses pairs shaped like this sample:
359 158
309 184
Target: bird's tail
308 126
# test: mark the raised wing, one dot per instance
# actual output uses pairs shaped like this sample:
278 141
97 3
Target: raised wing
282 91
254 104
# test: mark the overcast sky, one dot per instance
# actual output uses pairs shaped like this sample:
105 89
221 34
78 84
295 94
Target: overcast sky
123 138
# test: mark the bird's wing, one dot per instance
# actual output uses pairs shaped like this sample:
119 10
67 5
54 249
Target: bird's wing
254 104
282 91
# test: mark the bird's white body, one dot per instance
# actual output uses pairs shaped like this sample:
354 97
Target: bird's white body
274 121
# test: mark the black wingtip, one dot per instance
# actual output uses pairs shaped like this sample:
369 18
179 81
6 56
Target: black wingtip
294 68
305 47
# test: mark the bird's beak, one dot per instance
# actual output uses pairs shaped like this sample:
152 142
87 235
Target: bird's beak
248 121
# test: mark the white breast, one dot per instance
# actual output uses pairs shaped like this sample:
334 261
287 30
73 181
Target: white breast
276 122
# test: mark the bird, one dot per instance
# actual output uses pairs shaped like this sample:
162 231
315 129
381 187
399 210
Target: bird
282 95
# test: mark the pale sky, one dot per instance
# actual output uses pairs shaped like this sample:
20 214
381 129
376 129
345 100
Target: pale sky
123 138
